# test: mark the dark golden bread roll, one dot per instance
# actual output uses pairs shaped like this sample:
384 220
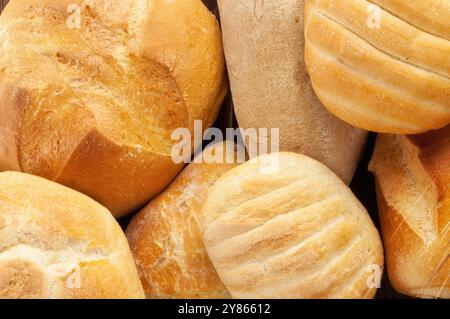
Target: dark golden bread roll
413 189
92 106
166 240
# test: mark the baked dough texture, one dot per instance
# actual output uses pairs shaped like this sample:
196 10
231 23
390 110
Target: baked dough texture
413 190
381 65
58 243
264 48
295 232
91 90
165 237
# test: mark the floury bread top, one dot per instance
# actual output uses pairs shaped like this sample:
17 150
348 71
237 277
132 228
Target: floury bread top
297 232
58 243
264 45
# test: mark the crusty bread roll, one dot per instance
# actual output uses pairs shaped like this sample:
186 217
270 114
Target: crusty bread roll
413 189
166 241
296 233
381 65
58 243
92 106
264 44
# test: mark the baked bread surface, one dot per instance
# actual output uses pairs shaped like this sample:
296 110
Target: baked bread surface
58 243
264 48
93 105
295 232
413 190
165 236
381 65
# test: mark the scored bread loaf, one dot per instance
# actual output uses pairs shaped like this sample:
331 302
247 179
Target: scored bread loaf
413 190
381 65
165 236
91 91
264 44
58 243
296 232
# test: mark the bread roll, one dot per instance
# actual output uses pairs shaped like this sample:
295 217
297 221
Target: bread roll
58 243
381 65
296 233
264 43
166 240
413 179
93 105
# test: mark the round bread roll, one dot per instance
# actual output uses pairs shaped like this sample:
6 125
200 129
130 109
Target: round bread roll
264 46
58 243
294 232
381 65
413 190
166 240
91 91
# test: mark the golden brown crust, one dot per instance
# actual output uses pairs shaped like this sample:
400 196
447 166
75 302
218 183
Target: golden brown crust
298 232
58 243
21 279
431 16
154 172
166 241
13 102
264 44
103 99
390 78
413 179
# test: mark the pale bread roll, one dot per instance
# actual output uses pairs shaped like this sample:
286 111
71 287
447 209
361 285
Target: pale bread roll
58 243
413 189
297 232
381 65
166 240
91 91
264 44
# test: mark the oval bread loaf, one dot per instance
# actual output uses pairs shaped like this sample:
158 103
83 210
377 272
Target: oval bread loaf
381 65
58 243
166 240
296 232
264 44
90 91
413 190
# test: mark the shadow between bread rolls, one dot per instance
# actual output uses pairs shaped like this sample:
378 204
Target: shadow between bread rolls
93 106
